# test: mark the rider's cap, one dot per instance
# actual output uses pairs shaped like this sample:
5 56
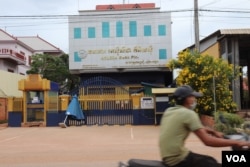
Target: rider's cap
185 91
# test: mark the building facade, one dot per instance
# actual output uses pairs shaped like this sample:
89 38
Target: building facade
130 43
16 52
14 55
15 58
232 45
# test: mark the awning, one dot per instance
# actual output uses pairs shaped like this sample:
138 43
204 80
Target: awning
163 90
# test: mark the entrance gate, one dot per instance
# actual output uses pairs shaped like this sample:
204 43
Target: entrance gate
105 101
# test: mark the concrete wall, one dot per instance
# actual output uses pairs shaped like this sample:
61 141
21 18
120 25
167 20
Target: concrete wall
9 83
3 109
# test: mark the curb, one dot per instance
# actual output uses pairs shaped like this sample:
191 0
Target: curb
3 126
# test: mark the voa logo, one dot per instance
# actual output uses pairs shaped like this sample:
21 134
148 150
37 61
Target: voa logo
236 158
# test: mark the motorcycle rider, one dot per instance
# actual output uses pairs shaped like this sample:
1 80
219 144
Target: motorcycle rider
176 124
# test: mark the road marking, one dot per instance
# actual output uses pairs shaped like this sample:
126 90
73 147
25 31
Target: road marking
131 133
9 139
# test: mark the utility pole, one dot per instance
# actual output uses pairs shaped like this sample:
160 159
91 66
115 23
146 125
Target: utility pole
196 26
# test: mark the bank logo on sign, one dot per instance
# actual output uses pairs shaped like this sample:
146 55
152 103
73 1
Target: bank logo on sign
235 158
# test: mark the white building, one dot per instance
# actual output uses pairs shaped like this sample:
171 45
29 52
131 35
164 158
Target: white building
13 54
16 52
120 38
15 58
130 43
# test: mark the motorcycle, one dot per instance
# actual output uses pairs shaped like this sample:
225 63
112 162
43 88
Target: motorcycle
156 163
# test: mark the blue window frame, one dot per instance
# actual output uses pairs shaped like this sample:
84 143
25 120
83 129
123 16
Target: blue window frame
162 30
162 53
119 29
76 57
105 29
77 33
91 32
147 30
132 29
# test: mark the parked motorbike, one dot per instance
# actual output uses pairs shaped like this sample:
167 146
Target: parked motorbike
156 163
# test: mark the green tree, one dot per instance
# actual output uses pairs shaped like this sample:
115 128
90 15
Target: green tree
55 69
205 74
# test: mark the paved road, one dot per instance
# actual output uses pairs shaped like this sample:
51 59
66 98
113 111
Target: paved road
85 146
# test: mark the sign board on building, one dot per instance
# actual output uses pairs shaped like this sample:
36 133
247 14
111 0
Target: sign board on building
161 98
147 103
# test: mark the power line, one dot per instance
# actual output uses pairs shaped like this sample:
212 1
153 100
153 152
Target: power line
62 17
38 20
225 11
110 14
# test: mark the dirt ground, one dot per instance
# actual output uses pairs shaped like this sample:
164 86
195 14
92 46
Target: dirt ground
85 146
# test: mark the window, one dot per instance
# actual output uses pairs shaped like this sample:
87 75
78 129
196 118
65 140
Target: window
161 30
91 32
105 29
111 7
222 47
163 54
10 70
119 30
76 57
29 60
136 6
22 53
77 33
132 29
229 46
35 97
147 30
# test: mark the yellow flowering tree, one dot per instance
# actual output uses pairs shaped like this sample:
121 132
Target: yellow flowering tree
207 75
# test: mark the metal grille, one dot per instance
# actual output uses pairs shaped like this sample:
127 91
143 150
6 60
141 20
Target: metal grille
18 104
53 101
73 122
105 101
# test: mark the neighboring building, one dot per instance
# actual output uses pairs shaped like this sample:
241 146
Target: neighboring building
13 54
130 43
16 52
232 45
15 58
40 46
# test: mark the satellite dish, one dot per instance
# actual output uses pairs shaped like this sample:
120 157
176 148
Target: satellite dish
83 54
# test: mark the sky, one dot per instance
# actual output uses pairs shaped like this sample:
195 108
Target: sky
215 15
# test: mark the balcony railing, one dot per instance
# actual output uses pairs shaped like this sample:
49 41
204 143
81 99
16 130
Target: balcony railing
11 54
